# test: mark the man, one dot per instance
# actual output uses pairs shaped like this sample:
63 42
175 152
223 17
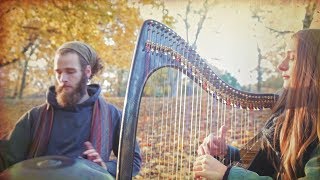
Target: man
75 120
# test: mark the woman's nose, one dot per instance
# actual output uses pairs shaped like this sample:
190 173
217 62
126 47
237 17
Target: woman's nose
283 65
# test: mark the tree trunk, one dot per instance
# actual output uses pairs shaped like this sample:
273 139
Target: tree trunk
119 86
173 77
311 7
23 80
259 70
25 69
17 83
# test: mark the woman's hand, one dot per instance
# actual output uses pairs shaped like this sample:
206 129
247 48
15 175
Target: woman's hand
208 167
214 145
92 155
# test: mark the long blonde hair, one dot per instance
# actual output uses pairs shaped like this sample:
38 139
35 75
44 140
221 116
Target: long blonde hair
299 125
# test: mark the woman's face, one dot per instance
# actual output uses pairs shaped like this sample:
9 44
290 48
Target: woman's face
286 66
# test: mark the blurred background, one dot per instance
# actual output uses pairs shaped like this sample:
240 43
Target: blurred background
243 39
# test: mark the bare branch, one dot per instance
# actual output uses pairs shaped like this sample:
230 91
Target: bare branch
25 49
201 21
185 20
10 62
279 32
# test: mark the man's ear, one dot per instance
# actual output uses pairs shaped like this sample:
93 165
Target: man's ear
87 71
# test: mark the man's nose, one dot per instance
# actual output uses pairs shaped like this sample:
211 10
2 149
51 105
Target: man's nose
283 65
63 77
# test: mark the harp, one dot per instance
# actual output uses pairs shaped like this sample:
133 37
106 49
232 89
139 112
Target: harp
175 117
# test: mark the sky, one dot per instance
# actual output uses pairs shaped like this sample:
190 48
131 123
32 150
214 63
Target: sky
230 34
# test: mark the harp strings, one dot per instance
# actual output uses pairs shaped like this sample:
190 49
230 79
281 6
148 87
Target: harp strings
177 113
177 121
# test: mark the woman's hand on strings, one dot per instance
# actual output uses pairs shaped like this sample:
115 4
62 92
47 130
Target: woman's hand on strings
92 155
208 167
214 145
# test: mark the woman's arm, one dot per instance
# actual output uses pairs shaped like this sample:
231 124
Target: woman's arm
208 167
240 173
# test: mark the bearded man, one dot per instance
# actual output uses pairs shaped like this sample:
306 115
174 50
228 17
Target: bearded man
75 121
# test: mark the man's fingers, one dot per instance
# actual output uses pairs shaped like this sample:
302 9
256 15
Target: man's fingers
89 151
88 145
93 154
98 160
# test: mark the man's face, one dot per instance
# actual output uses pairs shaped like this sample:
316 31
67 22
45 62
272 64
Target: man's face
71 81
67 71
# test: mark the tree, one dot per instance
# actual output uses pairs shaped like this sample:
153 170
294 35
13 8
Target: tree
202 13
30 31
272 55
231 80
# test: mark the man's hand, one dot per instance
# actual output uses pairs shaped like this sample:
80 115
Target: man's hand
214 145
92 155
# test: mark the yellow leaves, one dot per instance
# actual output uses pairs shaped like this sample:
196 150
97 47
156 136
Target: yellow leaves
168 20
59 21
146 2
48 24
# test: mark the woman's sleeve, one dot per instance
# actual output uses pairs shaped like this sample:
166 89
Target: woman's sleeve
241 173
312 167
233 154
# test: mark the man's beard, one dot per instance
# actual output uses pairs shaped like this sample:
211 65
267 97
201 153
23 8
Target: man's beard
70 99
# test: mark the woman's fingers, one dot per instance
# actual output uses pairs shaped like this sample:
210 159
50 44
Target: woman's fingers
200 150
201 158
208 167
199 167
205 149
222 132
199 174
196 168
196 163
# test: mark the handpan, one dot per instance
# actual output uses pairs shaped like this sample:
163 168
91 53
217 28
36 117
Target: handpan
56 168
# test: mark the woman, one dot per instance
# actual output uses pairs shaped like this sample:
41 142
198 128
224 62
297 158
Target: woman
291 136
